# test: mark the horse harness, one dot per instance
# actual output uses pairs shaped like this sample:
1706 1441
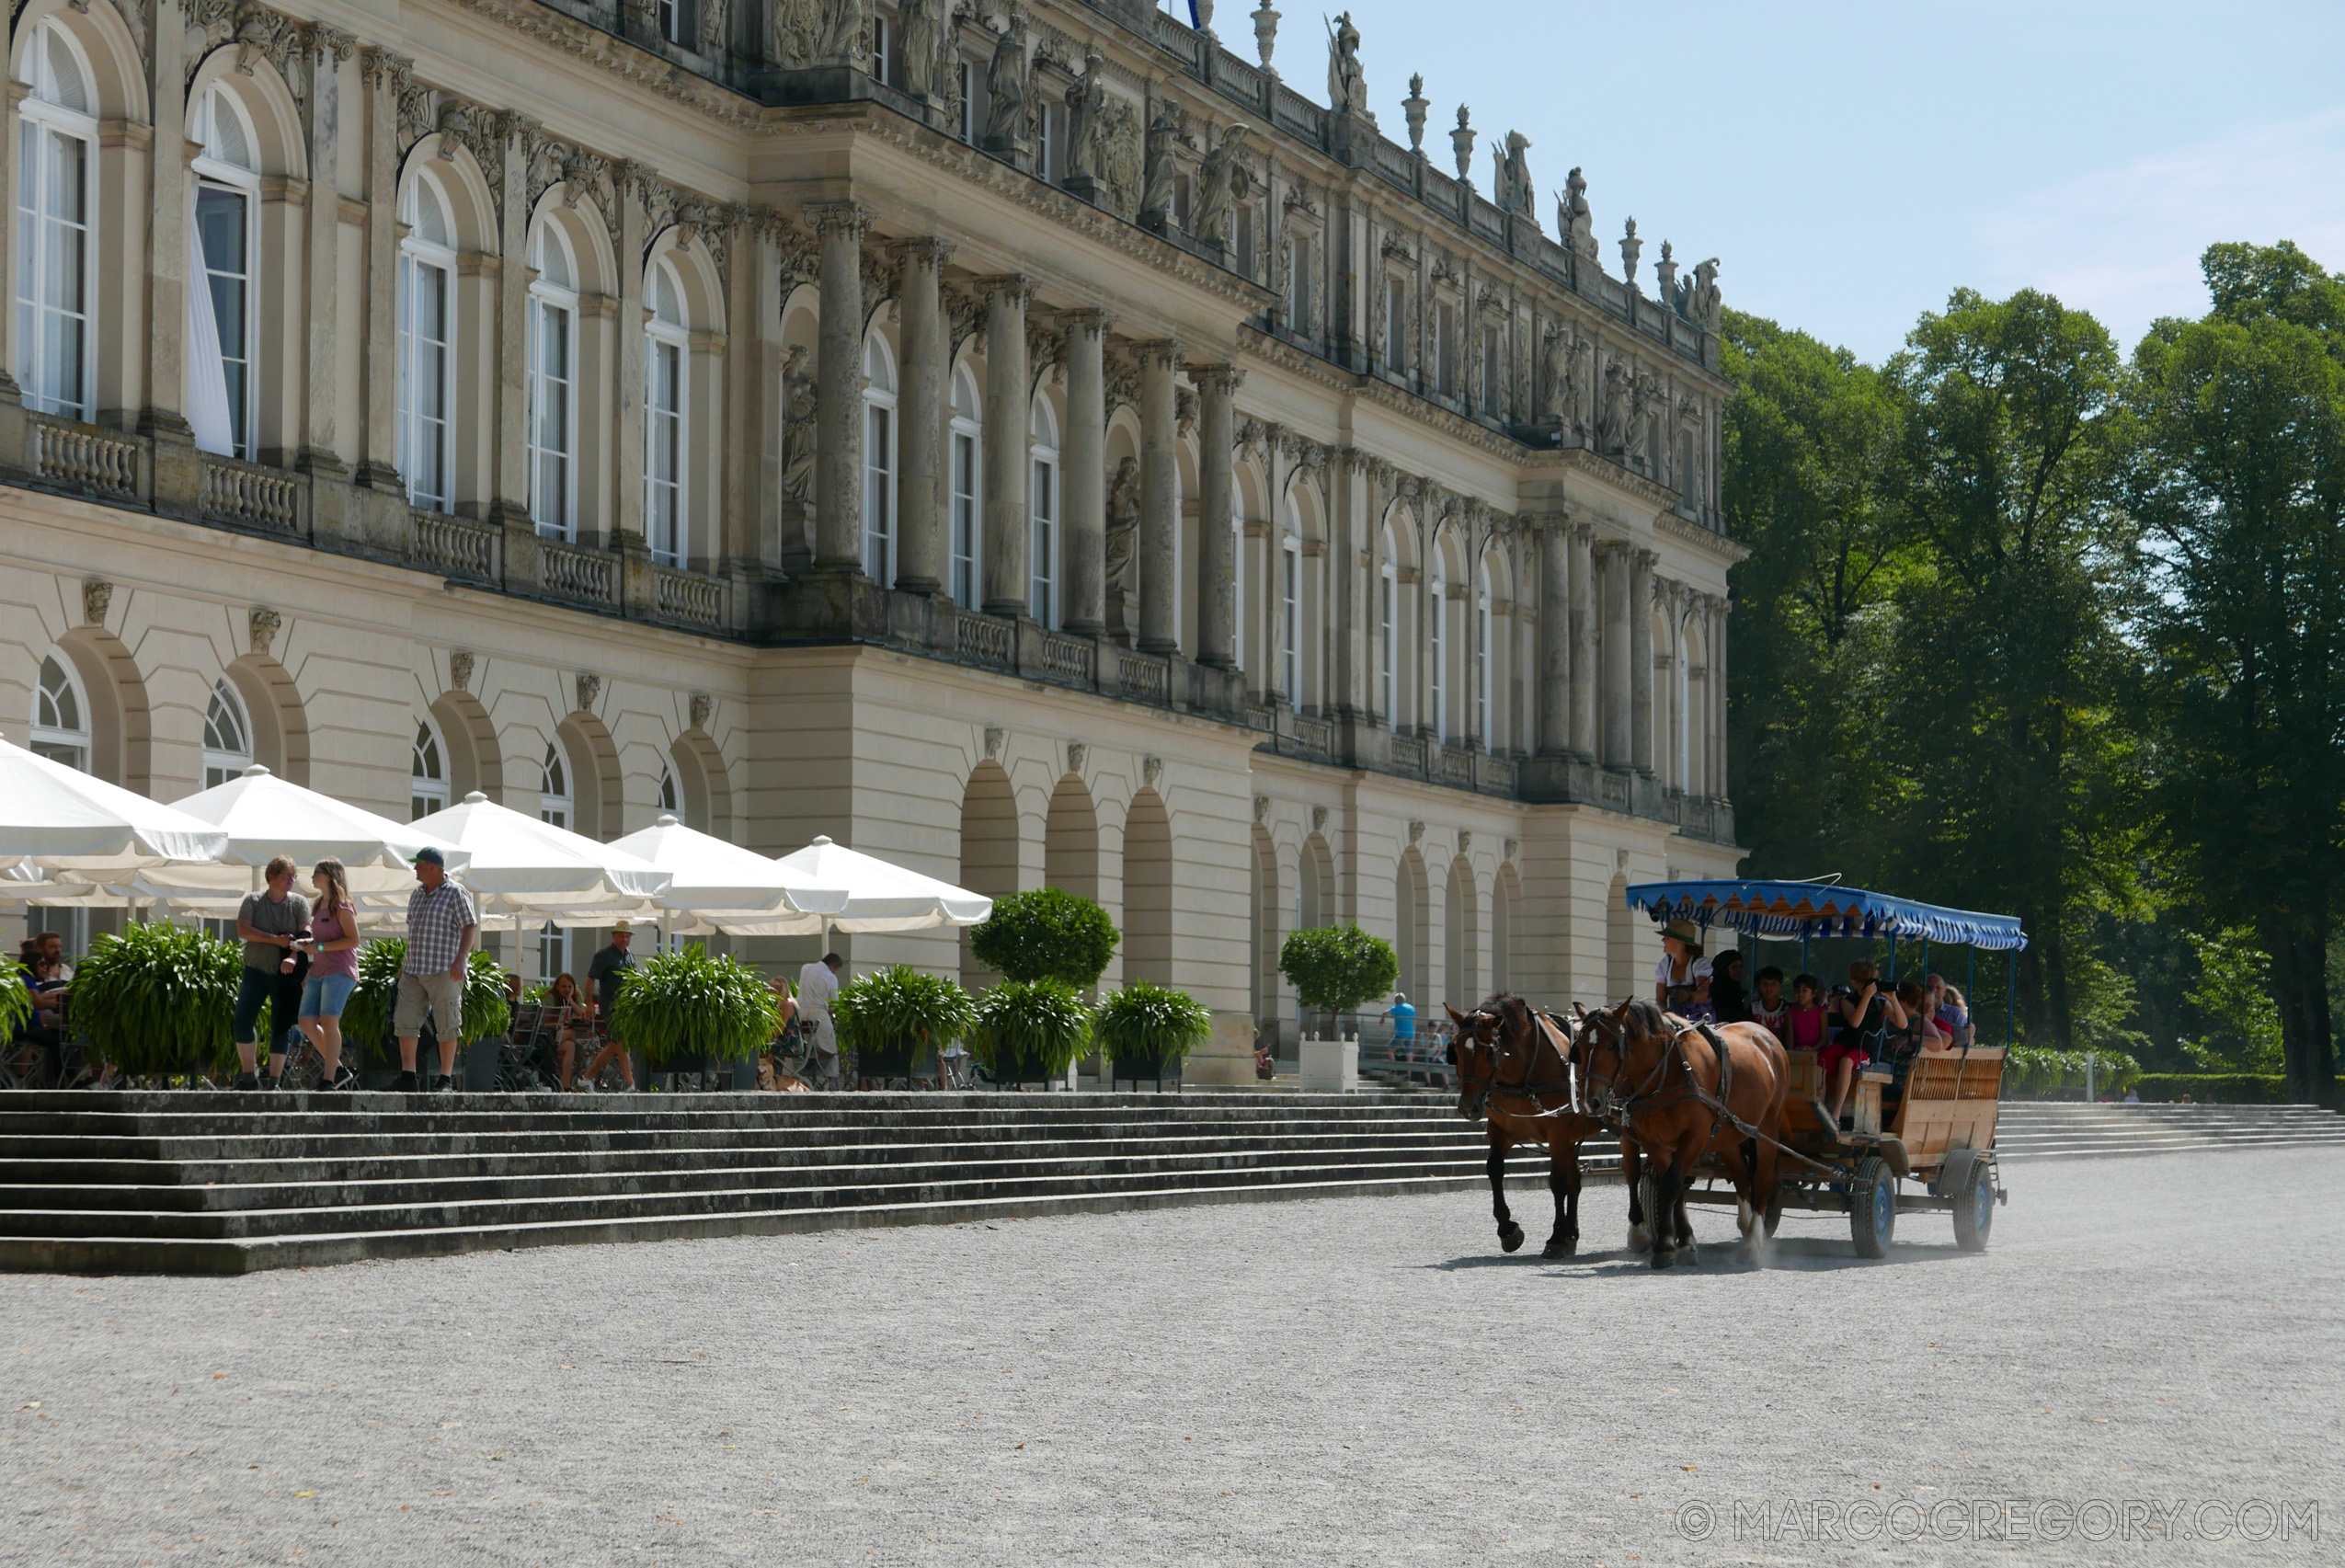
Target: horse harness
1530 1089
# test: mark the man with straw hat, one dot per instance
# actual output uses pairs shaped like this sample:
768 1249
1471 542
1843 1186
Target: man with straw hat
1681 977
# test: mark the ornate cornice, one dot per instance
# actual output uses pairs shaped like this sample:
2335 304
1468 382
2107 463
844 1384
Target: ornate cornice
1714 545
629 62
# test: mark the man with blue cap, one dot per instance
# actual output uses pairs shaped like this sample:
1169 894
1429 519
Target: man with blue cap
441 924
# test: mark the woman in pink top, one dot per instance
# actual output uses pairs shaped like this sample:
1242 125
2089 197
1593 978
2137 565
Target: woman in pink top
332 947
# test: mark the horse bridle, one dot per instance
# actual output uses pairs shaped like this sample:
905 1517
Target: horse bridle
1491 1086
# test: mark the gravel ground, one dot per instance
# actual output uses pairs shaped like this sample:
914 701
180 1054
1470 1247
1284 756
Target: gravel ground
1360 1380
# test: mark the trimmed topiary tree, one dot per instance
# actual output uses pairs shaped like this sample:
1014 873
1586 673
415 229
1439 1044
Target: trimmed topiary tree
1030 1030
892 1012
1149 1027
1048 934
1334 968
681 1006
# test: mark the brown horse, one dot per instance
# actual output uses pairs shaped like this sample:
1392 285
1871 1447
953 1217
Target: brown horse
1667 1080
1512 1069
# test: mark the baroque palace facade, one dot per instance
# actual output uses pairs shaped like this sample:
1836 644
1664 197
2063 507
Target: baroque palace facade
1020 439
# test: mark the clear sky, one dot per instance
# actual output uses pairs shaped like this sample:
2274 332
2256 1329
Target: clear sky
1852 164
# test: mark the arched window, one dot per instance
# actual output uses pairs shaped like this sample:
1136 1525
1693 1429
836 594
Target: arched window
227 735
1482 627
1042 602
56 154
427 773
671 799
969 491
1290 610
879 461
427 334
60 717
667 348
553 385
1387 647
555 803
227 239
1436 651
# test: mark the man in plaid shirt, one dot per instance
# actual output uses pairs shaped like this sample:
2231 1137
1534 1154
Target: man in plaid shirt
440 927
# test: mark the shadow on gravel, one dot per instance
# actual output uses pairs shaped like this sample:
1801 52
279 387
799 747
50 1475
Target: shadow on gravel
1803 1254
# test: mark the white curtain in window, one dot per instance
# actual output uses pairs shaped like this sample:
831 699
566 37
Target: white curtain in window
208 411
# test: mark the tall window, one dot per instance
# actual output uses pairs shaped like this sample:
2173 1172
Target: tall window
227 735
56 144
1299 285
60 717
1291 619
666 355
967 523
879 41
668 794
554 803
966 79
1387 651
427 773
227 209
671 22
427 330
1490 371
553 385
1436 651
1049 137
879 461
1483 626
1242 229
1042 600
1396 325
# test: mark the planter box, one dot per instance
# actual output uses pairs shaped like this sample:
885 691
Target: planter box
886 1061
1330 1066
1134 1069
1024 1070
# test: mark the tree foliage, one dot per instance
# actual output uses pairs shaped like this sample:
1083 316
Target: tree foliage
1048 933
899 1005
1334 968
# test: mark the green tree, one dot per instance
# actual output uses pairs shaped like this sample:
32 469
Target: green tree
2240 483
1048 934
1334 968
2009 712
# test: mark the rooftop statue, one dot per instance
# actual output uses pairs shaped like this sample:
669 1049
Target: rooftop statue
1575 225
1511 185
1708 303
1346 82
1631 248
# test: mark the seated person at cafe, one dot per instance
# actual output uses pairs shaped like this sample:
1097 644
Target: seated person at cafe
570 1013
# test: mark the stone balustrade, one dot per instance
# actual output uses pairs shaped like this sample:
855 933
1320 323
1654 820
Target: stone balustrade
250 495
688 596
74 456
464 550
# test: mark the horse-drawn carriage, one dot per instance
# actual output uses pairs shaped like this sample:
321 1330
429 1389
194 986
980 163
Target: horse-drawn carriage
1694 1105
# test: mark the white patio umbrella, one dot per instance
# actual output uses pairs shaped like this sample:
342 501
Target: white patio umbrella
880 896
60 826
524 871
721 887
264 816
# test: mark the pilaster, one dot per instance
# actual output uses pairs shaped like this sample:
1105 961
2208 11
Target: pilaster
1160 498
839 227
1009 434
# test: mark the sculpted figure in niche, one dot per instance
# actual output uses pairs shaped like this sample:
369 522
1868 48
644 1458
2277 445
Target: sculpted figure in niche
1085 100
1123 526
1582 380
1005 81
1224 179
1346 82
715 26
1612 425
1164 135
924 37
797 427
1557 376
820 32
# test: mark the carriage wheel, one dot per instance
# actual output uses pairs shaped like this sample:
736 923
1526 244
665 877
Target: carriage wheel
1974 1210
1872 1208
1648 1200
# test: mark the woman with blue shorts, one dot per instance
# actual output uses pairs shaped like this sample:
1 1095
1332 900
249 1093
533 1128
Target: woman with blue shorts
333 970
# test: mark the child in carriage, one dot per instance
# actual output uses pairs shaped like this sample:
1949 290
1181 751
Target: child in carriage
1769 1011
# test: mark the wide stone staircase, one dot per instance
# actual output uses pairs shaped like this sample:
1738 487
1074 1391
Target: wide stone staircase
206 1183
197 1182
2031 1129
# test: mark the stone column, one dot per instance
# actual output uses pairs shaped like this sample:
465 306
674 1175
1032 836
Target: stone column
1585 636
1160 498
1083 490
384 74
323 294
510 464
840 227
1217 557
920 417
168 214
1554 702
1718 612
1612 560
1640 601
1009 439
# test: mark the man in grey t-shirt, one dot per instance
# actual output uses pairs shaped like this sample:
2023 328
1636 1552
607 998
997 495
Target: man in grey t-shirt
269 923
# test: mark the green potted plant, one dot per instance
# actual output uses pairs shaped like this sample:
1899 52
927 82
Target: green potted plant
1030 1031
1333 970
367 1016
1143 1029
1048 934
156 1000
888 1016
684 1011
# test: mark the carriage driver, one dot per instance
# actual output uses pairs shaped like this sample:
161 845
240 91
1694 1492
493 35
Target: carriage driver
1681 979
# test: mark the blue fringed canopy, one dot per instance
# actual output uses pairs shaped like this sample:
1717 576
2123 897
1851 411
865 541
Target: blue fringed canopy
1813 908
